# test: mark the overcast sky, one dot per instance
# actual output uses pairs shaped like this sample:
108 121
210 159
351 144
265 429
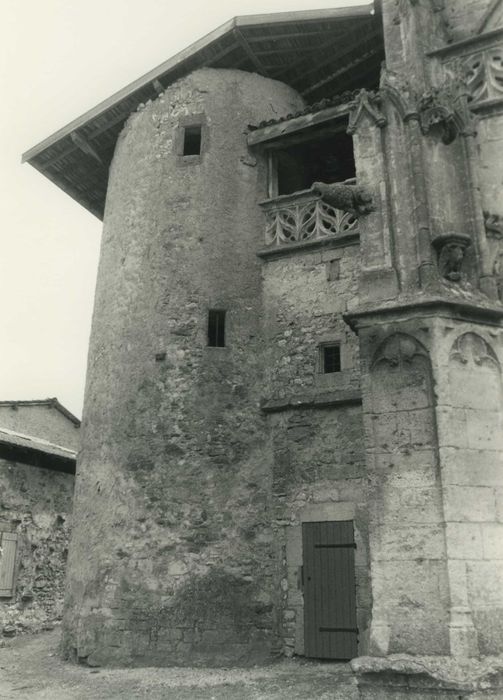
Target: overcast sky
59 58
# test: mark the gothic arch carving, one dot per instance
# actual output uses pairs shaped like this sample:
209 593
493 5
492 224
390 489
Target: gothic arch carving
471 348
399 349
366 103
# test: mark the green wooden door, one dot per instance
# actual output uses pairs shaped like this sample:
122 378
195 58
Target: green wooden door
330 630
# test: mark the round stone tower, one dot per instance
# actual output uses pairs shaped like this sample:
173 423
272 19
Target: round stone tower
172 556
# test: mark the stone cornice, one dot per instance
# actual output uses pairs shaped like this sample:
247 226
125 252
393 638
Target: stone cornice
462 309
472 43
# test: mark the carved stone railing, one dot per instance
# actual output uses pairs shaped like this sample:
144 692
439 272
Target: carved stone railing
303 216
481 69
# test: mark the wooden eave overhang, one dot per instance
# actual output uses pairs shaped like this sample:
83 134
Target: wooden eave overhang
27 449
317 52
274 135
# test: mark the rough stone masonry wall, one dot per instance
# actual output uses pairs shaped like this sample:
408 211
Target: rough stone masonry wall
171 554
36 505
319 464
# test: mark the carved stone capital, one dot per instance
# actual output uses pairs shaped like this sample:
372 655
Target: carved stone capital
444 111
366 103
451 248
351 198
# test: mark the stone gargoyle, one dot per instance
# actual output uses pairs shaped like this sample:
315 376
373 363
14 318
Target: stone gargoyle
351 198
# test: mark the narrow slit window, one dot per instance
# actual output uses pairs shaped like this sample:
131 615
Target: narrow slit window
192 141
216 328
331 359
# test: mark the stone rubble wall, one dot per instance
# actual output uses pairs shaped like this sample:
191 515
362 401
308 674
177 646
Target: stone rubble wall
35 504
319 462
171 557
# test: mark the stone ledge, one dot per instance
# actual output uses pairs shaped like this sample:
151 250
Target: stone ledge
401 675
340 241
325 400
453 305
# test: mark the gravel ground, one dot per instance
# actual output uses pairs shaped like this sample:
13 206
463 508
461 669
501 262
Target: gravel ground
30 669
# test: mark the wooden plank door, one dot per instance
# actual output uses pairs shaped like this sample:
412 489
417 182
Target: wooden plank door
8 546
330 630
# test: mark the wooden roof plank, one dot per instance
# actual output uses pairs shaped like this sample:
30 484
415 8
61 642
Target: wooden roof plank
296 124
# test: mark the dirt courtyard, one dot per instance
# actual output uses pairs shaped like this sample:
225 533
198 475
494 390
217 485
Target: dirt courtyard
30 669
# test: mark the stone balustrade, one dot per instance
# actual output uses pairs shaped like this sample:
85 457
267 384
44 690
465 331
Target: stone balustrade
303 216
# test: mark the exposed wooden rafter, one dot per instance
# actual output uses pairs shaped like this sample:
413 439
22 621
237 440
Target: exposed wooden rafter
311 51
345 69
251 55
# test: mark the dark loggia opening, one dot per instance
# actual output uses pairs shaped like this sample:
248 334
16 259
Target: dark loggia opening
192 141
328 158
331 359
216 328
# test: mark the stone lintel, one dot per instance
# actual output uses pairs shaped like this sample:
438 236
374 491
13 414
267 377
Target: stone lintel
331 399
425 306
402 676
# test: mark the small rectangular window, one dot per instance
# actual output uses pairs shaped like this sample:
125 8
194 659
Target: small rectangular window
331 359
216 328
192 141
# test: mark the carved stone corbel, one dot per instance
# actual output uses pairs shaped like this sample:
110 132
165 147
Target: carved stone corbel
366 102
493 224
444 111
451 248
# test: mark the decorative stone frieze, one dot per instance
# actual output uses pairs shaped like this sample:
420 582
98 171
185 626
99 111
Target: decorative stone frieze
397 350
451 248
471 347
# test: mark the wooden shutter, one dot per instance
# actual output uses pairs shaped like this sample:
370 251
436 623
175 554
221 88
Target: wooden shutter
330 630
8 547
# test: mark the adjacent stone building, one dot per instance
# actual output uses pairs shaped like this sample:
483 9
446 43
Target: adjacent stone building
38 449
292 426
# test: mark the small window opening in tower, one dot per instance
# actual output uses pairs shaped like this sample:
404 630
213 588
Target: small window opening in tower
192 141
331 358
216 328
324 158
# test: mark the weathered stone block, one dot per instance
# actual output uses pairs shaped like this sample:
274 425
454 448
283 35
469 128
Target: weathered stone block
469 503
485 584
464 540
470 467
492 537
409 542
